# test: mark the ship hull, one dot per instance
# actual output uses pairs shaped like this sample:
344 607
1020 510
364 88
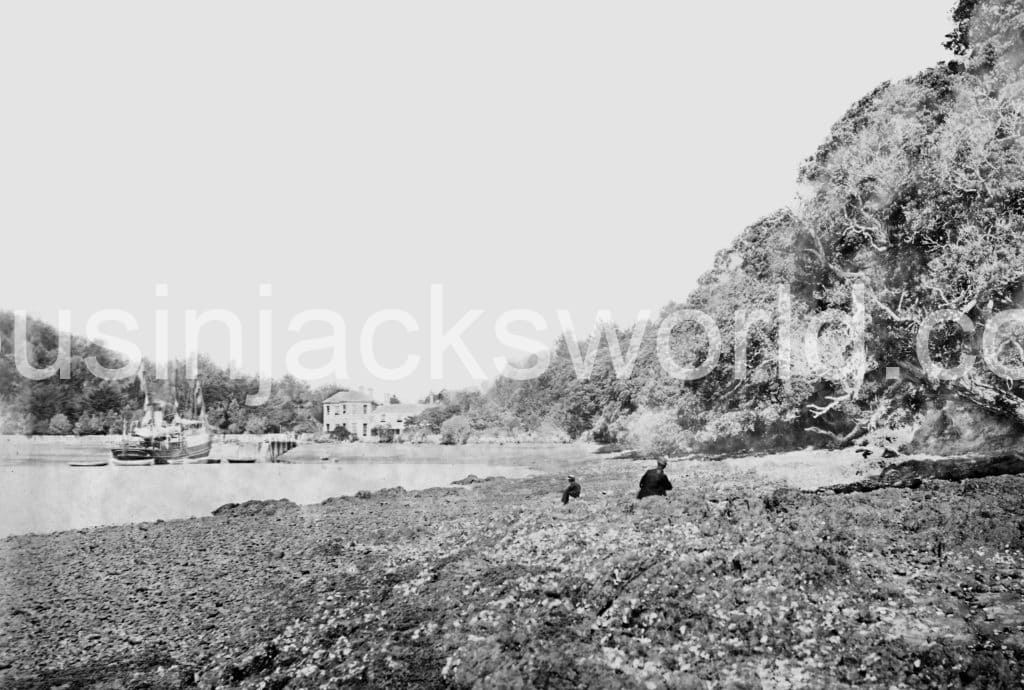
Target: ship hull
127 456
131 455
183 455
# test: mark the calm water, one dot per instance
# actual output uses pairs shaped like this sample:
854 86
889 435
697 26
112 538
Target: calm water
47 496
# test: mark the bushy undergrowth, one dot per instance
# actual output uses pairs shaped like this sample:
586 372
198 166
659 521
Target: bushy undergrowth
455 431
654 433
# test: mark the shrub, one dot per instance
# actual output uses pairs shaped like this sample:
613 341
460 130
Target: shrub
256 425
60 425
306 427
602 432
728 429
113 422
455 431
741 431
654 433
548 432
89 425
340 433
16 423
415 435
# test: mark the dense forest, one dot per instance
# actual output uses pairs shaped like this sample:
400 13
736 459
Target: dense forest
913 206
85 404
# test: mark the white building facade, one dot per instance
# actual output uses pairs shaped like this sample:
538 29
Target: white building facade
352 410
389 420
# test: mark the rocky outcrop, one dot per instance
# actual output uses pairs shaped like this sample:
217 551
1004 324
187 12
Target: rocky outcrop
913 473
255 508
473 479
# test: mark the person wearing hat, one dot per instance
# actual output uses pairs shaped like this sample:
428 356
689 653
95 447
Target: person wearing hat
572 490
654 482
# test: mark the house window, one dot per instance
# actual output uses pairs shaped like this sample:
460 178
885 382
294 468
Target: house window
364 409
344 409
364 429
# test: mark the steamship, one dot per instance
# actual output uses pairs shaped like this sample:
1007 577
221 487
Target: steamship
164 437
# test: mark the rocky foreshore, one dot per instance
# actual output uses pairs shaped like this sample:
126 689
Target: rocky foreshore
735 580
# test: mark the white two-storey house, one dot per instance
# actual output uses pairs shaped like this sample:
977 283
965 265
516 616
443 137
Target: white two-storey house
352 410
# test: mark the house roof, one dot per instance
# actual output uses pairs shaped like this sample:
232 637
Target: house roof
401 411
348 396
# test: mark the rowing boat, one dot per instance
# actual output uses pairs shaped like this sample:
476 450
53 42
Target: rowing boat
88 463
133 462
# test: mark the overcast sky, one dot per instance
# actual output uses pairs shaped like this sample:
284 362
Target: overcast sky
539 155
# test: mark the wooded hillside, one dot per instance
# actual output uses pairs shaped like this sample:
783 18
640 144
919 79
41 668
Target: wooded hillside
916 198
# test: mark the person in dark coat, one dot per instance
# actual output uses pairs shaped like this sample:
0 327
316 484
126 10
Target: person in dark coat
572 490
654 482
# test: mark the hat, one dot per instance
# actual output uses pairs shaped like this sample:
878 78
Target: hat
572 478
662 463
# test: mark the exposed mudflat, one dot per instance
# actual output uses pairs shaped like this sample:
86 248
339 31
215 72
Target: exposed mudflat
50 497
733 579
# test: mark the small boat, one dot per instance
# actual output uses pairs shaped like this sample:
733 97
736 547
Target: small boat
241 460
133 462
186 460
88 463
304 461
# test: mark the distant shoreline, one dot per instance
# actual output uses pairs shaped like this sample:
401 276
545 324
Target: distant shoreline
16 449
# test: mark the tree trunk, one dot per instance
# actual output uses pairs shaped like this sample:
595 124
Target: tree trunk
1000 402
